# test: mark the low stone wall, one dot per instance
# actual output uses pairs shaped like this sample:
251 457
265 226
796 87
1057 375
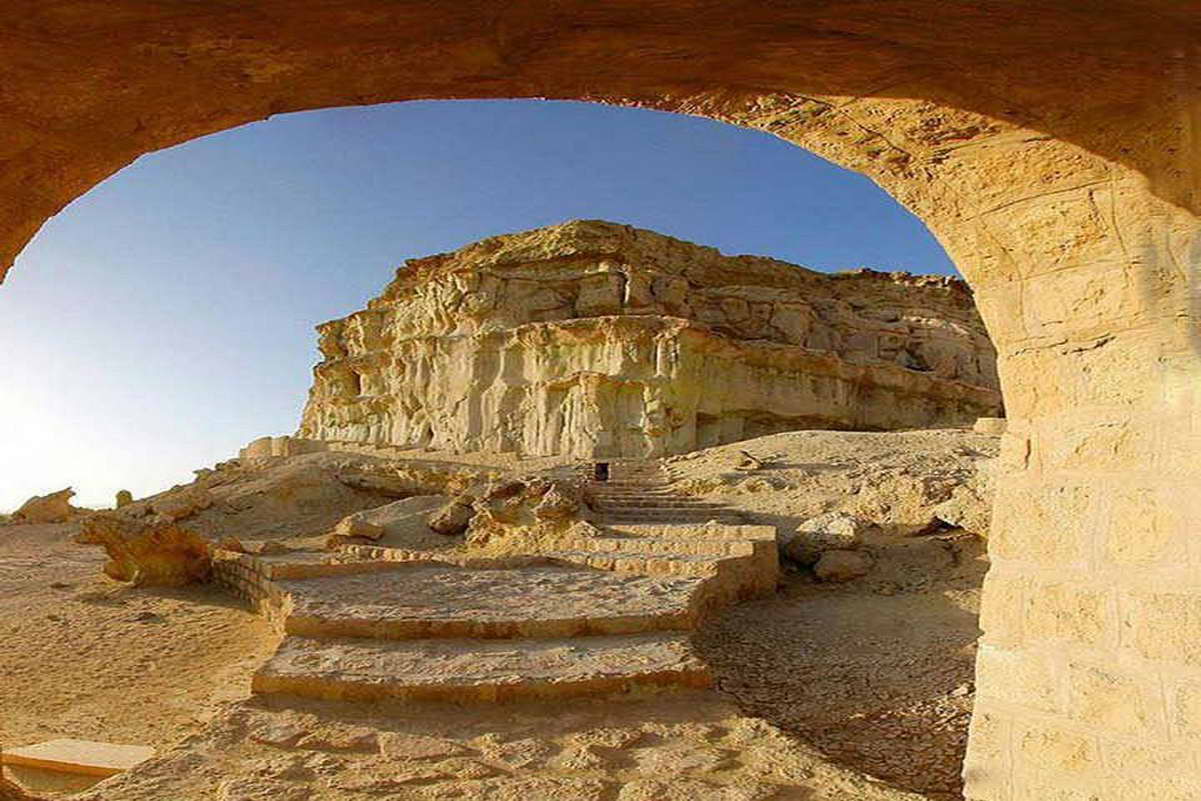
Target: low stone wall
284 446
250 579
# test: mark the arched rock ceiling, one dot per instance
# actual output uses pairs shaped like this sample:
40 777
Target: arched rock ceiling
91 84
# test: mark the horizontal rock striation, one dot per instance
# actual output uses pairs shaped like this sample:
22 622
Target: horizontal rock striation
594 339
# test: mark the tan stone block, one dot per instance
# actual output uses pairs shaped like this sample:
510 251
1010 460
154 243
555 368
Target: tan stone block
1146 756
1000 306
1080 301
1140 531
1089 440
1043 524
1025 678
1112 701
1077 614
1050 788
1186 711
1049 747
1163 625
990 733
1016 449
1139 784
1106 369
1002 608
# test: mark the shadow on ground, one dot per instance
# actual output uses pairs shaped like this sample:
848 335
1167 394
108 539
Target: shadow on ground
876 675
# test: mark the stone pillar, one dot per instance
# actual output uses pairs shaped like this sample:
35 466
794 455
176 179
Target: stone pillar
1089 669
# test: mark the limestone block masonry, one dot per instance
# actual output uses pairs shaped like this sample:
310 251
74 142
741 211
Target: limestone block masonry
608 613
594 339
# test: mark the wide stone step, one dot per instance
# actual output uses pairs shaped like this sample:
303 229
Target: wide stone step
478 670
642 562
654 503
680 546
634 514
428 601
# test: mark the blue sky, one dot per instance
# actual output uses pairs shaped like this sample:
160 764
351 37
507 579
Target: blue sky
166 317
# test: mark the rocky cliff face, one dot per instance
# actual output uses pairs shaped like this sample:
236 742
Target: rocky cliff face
600 340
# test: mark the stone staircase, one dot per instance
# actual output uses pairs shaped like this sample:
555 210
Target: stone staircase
638 492
606 612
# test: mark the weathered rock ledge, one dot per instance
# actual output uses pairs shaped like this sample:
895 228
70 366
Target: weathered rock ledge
596 339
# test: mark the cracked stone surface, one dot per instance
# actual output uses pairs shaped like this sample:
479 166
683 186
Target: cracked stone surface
452 601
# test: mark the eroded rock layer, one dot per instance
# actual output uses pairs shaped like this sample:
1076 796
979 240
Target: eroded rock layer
594 339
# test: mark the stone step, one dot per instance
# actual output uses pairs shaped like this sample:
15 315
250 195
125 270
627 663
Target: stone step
644 562
678 546
655 503
671 531
478 670
423 601
634 514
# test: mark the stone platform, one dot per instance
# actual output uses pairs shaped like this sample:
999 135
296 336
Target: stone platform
421 600
463 670
609 613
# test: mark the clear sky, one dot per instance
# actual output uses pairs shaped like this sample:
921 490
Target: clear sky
166 318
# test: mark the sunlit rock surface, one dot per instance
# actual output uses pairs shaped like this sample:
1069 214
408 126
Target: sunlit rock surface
594 339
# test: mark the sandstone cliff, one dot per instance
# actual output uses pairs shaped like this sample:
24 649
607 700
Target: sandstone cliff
601 340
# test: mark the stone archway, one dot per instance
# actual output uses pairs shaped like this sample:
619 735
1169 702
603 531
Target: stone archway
1052 148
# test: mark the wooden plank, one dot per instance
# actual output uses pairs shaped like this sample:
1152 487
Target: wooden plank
78 756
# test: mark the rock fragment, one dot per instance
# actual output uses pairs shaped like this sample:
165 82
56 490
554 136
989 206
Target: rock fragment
813 537
154 553
53 508
838 566
452 519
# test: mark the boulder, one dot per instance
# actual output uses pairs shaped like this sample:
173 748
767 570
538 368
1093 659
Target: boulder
400 524
183 503
53 508
148 553
829 531
748 462
557 504
452 519
267 548
232 544
358 526
970 504
124 498
839 566
990 425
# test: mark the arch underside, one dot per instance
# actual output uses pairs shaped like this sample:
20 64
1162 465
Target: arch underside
1051 147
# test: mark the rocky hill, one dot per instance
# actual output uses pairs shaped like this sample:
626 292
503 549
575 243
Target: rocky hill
593 339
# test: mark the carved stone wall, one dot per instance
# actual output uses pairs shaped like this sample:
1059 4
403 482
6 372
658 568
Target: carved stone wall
596 339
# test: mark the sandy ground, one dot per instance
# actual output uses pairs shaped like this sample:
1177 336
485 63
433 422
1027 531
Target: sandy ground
825 692
88 658
877 674
894 480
